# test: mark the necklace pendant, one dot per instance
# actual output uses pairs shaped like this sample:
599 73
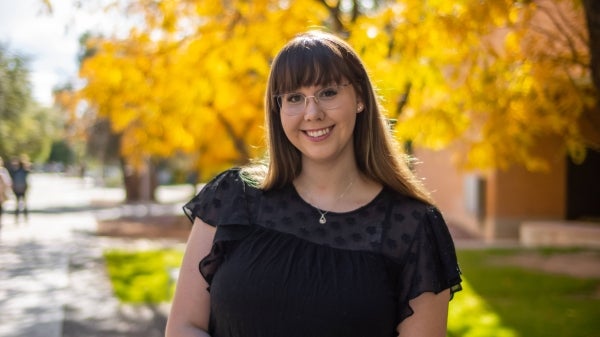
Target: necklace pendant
322 220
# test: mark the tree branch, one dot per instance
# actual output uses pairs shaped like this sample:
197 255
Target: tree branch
559 26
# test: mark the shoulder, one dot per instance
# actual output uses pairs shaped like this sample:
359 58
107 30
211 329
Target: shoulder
231 182
224 199
411 221
225 177
225 185
408 210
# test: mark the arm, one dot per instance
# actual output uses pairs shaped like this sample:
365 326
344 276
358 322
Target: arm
429 318
190 310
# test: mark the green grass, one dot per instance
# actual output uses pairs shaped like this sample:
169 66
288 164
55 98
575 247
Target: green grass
498 300
142 276
521 302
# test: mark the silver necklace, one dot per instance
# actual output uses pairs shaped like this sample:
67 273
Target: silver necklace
323 219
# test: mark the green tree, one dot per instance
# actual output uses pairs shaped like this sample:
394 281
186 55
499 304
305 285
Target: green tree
25 126
15 94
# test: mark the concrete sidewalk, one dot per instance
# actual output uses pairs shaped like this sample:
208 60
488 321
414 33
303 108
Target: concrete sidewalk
34 274
53 281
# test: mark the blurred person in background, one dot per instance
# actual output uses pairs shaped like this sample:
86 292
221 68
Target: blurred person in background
5 187
19 172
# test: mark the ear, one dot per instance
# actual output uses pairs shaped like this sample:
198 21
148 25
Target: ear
359 107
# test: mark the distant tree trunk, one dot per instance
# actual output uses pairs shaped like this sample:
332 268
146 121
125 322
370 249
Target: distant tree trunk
592 15
582 188
139 187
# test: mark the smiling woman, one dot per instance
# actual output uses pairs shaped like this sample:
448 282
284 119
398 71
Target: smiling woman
334 237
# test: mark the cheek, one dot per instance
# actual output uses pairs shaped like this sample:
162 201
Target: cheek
288 125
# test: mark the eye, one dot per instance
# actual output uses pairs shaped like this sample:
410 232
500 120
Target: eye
294 98
328 93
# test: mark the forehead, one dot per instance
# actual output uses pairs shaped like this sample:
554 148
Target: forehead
310 90
309 62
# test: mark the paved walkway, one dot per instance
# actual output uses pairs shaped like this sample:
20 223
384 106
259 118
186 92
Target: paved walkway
52 279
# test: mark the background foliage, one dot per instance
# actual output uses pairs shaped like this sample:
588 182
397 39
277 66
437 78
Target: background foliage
491 79
143 277
25 126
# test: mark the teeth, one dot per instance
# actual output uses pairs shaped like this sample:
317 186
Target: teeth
318 133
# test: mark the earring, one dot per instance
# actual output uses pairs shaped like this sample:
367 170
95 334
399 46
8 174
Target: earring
359 108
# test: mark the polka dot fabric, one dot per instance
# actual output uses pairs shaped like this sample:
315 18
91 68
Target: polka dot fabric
406 239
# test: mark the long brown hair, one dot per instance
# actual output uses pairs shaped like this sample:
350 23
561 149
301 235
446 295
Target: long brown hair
319 58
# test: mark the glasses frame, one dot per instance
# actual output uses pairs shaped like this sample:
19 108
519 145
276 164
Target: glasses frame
279 98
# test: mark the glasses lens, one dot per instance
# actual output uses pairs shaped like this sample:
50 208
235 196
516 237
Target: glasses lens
294 99
328 97
295 103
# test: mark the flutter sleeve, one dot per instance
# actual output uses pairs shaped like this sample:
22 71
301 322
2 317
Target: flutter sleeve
423 257
222 203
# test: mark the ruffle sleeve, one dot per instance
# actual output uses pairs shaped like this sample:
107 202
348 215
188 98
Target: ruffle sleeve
424 260
222 203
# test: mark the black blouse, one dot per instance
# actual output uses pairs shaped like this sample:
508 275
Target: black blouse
274 270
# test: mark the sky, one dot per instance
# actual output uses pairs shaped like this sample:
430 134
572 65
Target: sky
50 41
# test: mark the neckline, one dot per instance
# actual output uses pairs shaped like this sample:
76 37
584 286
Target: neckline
329 212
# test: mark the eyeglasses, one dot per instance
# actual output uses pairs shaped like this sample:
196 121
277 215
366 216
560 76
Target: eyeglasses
294 103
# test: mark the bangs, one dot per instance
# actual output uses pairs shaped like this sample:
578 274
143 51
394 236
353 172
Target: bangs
309 62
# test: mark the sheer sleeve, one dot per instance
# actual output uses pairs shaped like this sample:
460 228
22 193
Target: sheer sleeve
423 255
222 203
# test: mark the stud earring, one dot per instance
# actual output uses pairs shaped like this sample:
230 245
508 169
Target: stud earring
359 108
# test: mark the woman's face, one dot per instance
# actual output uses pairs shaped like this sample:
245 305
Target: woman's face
319 120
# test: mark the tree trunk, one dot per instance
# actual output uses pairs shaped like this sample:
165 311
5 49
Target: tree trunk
592 15
592 123
139 186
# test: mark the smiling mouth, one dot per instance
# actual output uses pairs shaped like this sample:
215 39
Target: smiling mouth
318 133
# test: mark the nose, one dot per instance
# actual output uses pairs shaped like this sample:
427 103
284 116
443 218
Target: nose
307 100
312 109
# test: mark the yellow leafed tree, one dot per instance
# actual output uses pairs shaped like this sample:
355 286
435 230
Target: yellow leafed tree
192 78
493 78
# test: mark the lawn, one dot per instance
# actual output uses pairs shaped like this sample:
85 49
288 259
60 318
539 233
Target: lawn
498 299
506 300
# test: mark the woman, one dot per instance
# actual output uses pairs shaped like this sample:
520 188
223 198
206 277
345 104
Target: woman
5 186
333 237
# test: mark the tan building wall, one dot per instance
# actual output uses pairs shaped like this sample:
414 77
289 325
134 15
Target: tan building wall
452 190
493 205
516 195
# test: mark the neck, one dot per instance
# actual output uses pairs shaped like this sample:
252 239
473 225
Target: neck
328 187
325 179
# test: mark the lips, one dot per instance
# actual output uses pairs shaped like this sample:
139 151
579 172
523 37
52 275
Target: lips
318 133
